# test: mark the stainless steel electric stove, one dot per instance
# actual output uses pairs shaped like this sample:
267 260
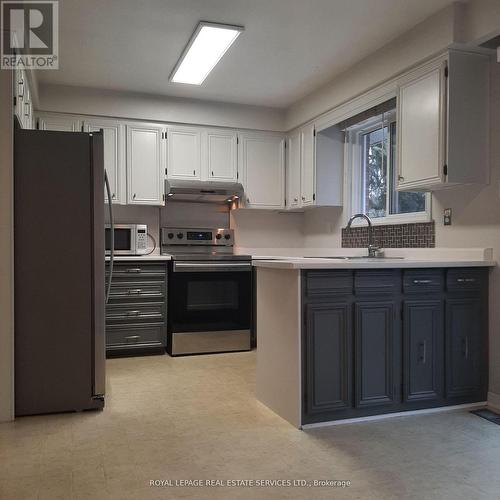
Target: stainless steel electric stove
210 291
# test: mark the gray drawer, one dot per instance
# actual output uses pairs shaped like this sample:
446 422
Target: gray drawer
423 281
134 312
139 270
464 279
377 281
137 289
325 283
139 336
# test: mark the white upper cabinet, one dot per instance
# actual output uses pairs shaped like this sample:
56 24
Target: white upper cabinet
19 89
59 122
293 162
184 153
315 167
23 106
443 123
145 164
220 156
262 163
308 174
114 154
421 112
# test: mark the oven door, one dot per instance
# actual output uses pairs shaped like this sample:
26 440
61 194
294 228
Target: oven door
210 306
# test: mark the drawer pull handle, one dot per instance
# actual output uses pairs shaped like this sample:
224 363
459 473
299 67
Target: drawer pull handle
465 342
466 280
133 313
136 291
422 282
133 270
423 357
133 337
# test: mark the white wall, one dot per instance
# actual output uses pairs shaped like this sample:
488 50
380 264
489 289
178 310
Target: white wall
423 41
481 20
6 250
265 229
87 101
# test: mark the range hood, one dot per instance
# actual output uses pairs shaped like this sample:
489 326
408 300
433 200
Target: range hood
202 191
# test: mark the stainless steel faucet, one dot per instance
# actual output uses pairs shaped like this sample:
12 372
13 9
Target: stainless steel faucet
372 248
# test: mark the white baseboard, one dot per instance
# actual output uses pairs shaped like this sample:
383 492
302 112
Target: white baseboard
371 418
494 401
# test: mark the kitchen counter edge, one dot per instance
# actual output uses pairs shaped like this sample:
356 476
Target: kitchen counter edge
301 263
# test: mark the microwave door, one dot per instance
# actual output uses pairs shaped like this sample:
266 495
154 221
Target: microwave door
124 240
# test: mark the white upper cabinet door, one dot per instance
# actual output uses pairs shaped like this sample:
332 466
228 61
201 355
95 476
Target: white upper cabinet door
308 176
145 164
221 155
114 155
421 130
184 153
19 87
60 122
262 160
293 170
27 111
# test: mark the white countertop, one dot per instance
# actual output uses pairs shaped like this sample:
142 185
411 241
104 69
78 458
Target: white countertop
412 257
140 258
318 263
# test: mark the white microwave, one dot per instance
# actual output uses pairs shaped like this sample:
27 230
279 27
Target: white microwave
130 239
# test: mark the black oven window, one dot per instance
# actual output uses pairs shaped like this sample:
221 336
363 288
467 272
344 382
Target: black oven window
122 239
210 296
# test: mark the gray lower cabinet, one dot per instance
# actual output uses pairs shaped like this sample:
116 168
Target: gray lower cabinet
379 341
465 353
376 356
329 361
136 315
423 350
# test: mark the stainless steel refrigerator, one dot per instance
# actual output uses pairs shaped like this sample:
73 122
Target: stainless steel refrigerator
59 271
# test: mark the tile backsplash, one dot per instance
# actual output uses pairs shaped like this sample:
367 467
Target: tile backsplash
419 235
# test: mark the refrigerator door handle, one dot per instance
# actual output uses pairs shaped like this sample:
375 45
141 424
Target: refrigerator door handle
111 234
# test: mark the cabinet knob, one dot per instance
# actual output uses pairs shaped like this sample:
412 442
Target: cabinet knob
303 198
212 173
401 178
295 199
248 200
113 196
194 172
134 195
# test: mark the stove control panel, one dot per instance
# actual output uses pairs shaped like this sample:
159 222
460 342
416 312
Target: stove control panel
196 236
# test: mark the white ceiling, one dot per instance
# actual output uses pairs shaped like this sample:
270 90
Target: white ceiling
289 47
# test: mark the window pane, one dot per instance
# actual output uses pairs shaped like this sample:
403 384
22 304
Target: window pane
374 159
402 202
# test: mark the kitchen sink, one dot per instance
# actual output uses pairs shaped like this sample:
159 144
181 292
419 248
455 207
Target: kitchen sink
352 257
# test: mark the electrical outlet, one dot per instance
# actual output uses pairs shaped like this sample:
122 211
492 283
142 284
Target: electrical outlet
447 216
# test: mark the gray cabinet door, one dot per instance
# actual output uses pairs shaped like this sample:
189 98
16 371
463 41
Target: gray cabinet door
423 355
376 358
465 346
328 357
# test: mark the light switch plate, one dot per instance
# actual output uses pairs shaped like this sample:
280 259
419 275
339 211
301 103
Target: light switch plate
447 216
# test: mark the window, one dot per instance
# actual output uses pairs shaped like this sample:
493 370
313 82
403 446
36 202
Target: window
372 161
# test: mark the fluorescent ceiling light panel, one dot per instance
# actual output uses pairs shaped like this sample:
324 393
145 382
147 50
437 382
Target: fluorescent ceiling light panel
208 44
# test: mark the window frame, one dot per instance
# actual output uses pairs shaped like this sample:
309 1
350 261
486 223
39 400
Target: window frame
354 178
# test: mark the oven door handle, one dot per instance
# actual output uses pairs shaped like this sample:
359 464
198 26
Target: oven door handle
199 267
